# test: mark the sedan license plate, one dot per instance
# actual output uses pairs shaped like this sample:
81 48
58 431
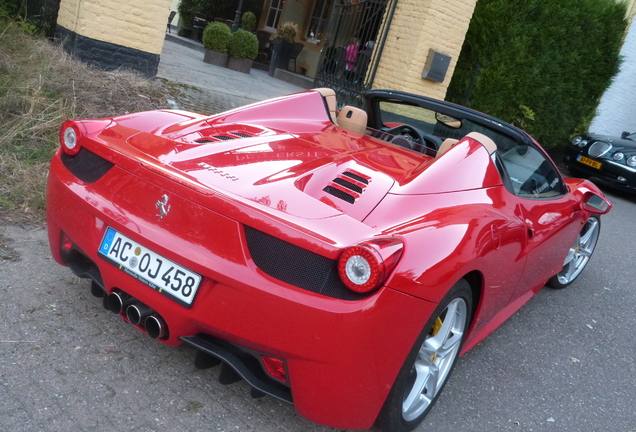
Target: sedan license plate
159 273
588 162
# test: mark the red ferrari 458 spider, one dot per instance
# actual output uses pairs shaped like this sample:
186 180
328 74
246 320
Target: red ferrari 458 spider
339 261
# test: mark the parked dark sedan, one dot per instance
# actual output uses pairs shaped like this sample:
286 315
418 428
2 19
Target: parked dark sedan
608 158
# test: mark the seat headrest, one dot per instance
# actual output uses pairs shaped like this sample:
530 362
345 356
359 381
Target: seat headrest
353 118
487 142
329 97
446 145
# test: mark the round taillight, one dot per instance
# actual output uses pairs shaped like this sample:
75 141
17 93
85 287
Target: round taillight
69 139
361 268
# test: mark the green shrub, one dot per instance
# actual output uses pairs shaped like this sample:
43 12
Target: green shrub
216 37
187 10
243 44
248 21
286 31
541 64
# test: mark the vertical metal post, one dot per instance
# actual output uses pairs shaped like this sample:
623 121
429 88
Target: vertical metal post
237 17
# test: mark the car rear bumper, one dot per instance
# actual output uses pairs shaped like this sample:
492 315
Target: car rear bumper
341 357
610 171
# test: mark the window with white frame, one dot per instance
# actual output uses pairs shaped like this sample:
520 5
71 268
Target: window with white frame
318 22
273 16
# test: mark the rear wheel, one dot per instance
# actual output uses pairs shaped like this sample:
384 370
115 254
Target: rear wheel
578 255
429 364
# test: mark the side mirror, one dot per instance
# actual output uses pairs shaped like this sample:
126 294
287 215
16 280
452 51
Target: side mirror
595 204
625 134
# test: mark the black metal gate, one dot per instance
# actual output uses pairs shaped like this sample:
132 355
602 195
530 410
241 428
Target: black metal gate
42 13
355 38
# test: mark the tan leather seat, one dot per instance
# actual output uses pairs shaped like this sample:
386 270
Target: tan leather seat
353 119
487 142
329 97
446 146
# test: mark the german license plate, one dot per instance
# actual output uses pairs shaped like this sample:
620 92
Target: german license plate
156 271
588 162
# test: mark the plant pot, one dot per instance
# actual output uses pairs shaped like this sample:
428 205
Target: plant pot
240 64
185 32
215 58
281 53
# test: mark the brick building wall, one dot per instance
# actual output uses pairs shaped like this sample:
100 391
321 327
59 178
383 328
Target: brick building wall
417 26
114 33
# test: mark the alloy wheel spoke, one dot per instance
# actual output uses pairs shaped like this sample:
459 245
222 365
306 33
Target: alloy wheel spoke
450 346
570 257
416 401
436 342
584 242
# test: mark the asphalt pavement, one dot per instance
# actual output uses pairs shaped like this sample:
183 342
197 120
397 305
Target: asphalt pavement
564 362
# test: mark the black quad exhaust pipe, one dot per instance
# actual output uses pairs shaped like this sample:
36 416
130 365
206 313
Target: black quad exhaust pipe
119 301
156 327
137 313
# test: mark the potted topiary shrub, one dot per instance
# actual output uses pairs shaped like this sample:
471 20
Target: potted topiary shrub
243 48
216 38
187 9
283 44
248 21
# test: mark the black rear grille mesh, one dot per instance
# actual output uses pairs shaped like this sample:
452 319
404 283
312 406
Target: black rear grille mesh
86 165
340 194
224 137
241 134
348 184
356 177
297 266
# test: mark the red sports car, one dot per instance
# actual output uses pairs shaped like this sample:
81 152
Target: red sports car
337 261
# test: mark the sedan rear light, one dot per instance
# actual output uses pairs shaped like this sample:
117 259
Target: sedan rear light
364 267
69 138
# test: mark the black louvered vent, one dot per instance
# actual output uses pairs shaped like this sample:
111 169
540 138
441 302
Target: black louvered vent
217 138
348 186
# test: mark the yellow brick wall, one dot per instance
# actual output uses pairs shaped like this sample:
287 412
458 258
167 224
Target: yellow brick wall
138 24
417 26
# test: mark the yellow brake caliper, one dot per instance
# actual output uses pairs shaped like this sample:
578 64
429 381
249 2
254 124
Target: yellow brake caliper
437 325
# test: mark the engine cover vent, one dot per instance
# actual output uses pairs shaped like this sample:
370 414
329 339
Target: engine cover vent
348 186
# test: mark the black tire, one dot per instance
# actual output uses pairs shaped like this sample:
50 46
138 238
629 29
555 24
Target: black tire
406 406
578 255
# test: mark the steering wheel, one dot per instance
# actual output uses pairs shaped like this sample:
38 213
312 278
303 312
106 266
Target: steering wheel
407 132
411 134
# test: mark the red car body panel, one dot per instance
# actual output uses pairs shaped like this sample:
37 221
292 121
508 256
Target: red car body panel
273 180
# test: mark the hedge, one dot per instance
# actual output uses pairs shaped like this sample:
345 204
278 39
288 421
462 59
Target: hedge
540 64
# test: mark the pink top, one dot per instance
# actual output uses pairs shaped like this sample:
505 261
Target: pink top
351 54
